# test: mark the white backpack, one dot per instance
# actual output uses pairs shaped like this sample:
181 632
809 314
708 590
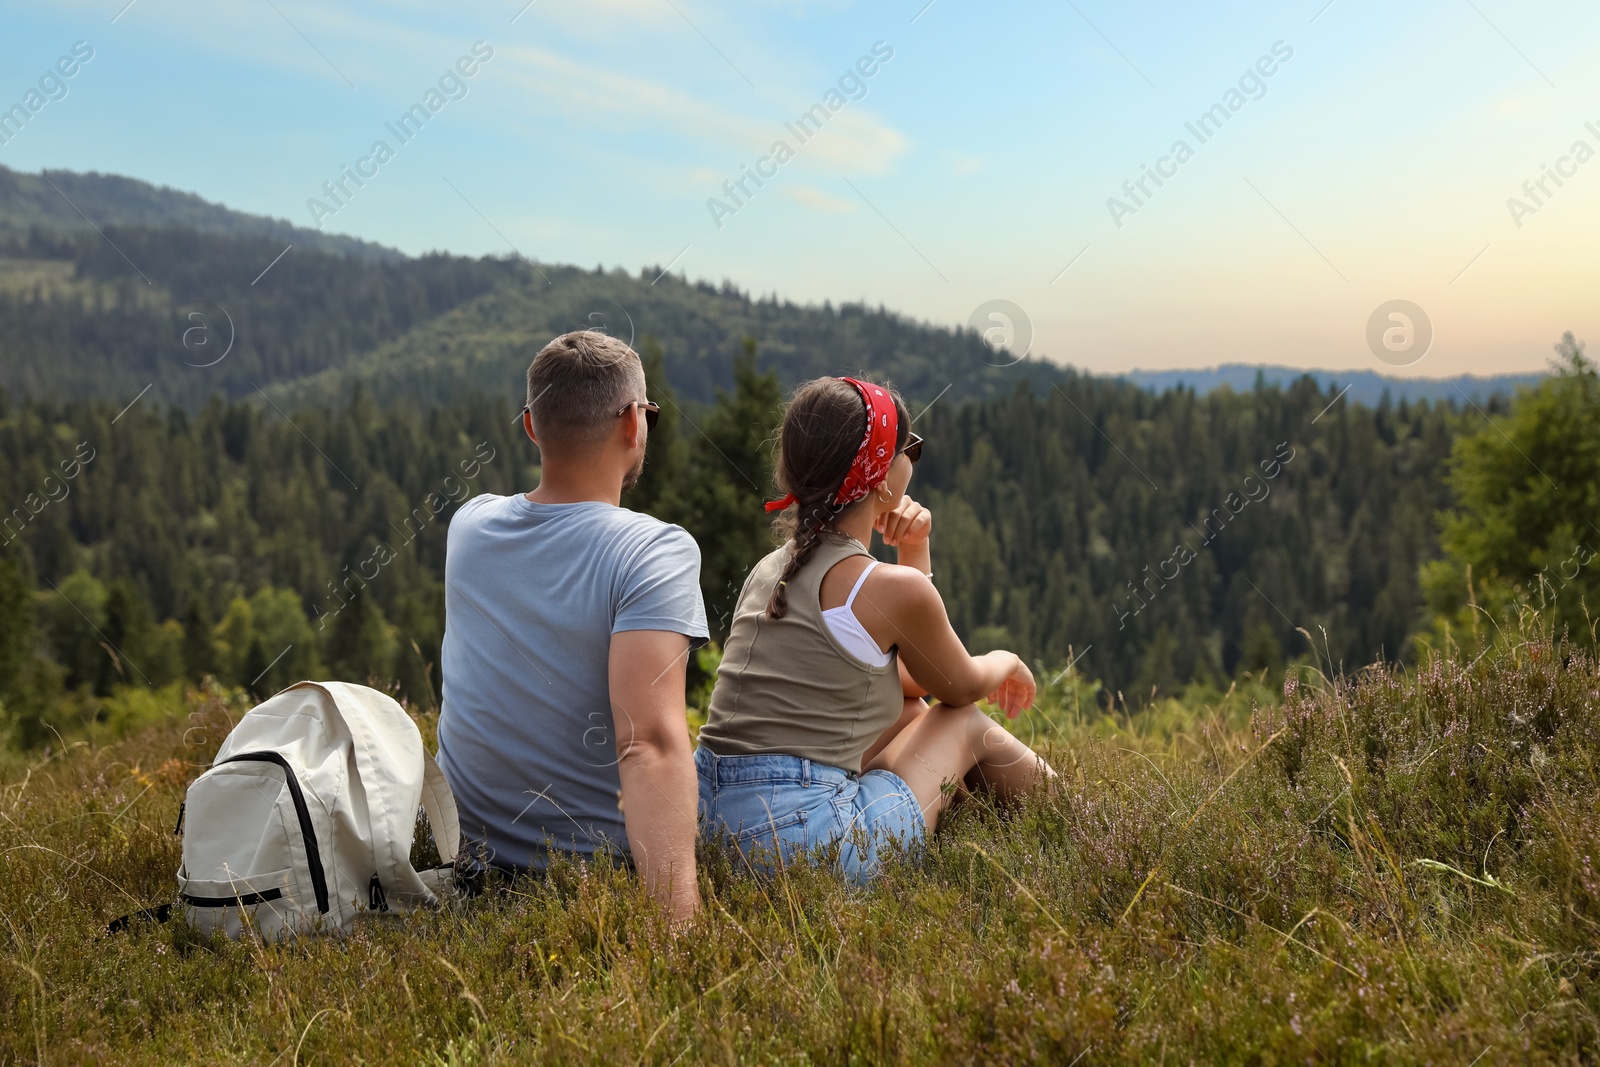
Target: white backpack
305 820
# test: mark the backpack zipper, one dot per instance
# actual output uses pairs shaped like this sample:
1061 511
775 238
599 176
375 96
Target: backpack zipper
308 831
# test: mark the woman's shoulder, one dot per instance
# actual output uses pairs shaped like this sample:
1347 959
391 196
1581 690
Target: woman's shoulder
894 586
776 558
771 565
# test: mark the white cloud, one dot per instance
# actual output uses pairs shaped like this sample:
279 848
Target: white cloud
815 199
582 93
1516 105
384 49
962 165
851 141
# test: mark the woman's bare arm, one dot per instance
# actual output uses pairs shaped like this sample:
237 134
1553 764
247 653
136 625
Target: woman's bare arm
899 605
908 685
908 529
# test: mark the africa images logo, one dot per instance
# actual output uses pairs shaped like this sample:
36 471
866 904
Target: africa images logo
1399 332
852 85
1566 167
52 87
452 85
1252 85
1005 330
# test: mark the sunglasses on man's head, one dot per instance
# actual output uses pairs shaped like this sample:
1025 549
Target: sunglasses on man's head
652 412
913 449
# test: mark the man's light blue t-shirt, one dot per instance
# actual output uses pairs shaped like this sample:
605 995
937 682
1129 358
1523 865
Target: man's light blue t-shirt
533 593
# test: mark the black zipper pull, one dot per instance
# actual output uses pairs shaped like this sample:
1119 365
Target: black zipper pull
178 829
375 898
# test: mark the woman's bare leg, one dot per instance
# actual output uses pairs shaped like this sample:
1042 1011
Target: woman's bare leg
1006 765
913 707
941 745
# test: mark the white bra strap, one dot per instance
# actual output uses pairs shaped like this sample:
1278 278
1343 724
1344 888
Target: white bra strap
850 603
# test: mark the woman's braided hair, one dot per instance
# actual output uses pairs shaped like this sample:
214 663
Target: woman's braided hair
822 430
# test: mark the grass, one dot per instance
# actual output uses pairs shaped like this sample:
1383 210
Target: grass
1398 867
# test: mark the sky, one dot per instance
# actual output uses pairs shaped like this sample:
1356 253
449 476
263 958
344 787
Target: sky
964 163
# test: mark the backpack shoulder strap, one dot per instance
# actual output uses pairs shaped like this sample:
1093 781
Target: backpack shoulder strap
440 804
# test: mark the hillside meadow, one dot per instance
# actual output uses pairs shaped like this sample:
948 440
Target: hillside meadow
1388 867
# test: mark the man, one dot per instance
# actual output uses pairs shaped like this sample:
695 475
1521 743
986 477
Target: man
568 626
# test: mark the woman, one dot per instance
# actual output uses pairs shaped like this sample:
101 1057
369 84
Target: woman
817 734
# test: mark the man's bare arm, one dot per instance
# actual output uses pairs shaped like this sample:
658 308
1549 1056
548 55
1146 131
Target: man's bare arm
660 794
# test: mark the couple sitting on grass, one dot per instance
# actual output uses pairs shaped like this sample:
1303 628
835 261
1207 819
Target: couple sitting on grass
569 621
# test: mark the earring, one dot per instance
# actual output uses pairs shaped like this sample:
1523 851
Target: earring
884 494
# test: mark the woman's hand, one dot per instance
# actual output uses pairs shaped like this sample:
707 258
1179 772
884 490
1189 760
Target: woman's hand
1016 692
907 525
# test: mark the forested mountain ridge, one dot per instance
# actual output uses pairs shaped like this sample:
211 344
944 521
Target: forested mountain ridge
109 285
108 313
486 346
68 201
191 314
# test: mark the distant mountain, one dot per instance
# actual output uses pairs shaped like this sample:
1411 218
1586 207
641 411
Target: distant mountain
199 314
1366 387
141 297
67 201
186 314
485 346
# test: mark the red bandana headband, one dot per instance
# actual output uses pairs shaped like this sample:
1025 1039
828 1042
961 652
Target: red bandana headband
873 457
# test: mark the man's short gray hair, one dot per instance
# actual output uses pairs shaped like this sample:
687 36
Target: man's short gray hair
576 384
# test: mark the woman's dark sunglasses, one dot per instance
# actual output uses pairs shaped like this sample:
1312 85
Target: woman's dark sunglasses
913 449
652 412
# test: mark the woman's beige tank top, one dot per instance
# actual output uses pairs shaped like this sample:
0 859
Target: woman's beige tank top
786 686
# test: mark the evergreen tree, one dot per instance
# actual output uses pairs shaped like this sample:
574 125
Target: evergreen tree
128 632
30 682
1524 530
361 644
18 628
233 638
666 453
199 650
731 478
77 612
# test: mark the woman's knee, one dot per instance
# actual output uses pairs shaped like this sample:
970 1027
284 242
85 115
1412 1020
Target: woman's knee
973 724
989 741
994 742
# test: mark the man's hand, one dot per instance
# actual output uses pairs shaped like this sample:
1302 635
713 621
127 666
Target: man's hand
660 794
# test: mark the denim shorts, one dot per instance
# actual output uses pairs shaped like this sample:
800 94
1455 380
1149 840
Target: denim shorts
776 808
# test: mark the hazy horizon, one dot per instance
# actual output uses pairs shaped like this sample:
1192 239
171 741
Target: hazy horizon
1335 156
